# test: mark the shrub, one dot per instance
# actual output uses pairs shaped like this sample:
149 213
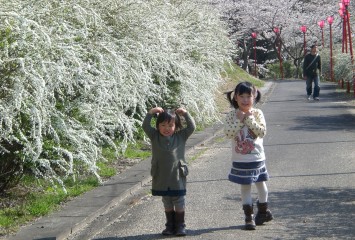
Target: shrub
80 74
342 67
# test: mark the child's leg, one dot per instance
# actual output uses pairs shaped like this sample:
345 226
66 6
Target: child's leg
179 204
262 191
247 206
263 214
246 194
170 216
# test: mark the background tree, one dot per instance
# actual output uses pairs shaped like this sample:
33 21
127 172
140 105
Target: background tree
246 16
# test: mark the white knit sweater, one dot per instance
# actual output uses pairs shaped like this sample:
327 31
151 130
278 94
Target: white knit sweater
247 136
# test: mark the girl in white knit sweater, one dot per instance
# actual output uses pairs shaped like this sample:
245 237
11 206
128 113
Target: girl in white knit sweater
245 125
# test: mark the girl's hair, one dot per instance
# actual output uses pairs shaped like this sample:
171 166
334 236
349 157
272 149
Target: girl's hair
167 116
241 88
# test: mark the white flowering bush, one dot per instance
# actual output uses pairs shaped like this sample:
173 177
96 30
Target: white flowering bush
77 74
342 67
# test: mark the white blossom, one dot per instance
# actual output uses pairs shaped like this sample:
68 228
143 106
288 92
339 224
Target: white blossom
78 74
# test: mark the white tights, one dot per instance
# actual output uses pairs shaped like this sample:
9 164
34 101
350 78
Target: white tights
246 193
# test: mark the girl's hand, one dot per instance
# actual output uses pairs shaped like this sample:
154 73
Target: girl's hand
181 111
156 110
242 115
248 113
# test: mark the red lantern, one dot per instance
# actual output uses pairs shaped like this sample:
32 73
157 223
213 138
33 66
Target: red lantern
330 20
253 35
321 23
303 29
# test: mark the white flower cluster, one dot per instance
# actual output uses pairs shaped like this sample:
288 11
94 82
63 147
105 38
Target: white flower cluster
76 73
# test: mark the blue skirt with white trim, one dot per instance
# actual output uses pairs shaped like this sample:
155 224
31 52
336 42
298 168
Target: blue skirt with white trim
248 173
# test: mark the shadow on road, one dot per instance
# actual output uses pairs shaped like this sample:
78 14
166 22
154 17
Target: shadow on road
313 175
159 236
322 213
325 123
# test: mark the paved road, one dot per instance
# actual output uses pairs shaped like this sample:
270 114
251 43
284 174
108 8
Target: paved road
311 159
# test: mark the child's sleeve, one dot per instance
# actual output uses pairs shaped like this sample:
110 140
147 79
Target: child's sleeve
147 128
256 123
232 125
190 125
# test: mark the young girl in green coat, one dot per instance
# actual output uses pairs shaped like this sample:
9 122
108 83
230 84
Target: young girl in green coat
169 167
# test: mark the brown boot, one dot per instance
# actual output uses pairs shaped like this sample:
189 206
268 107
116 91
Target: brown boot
249 222
170 228
180 224
263 214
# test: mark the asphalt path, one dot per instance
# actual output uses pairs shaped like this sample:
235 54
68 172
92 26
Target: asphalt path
310 157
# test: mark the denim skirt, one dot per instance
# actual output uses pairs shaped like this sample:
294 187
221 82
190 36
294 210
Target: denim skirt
248 172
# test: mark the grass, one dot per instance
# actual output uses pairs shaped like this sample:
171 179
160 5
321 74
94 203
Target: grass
197 155
34 198
134 153
235 74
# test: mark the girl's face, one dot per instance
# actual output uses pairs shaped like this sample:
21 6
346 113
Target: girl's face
167 128
245 101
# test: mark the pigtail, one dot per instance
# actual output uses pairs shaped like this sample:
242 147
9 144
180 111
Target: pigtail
231 99
229 96
257 95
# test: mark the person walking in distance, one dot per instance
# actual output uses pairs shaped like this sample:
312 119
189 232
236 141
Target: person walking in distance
169 167
245 125
311 63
